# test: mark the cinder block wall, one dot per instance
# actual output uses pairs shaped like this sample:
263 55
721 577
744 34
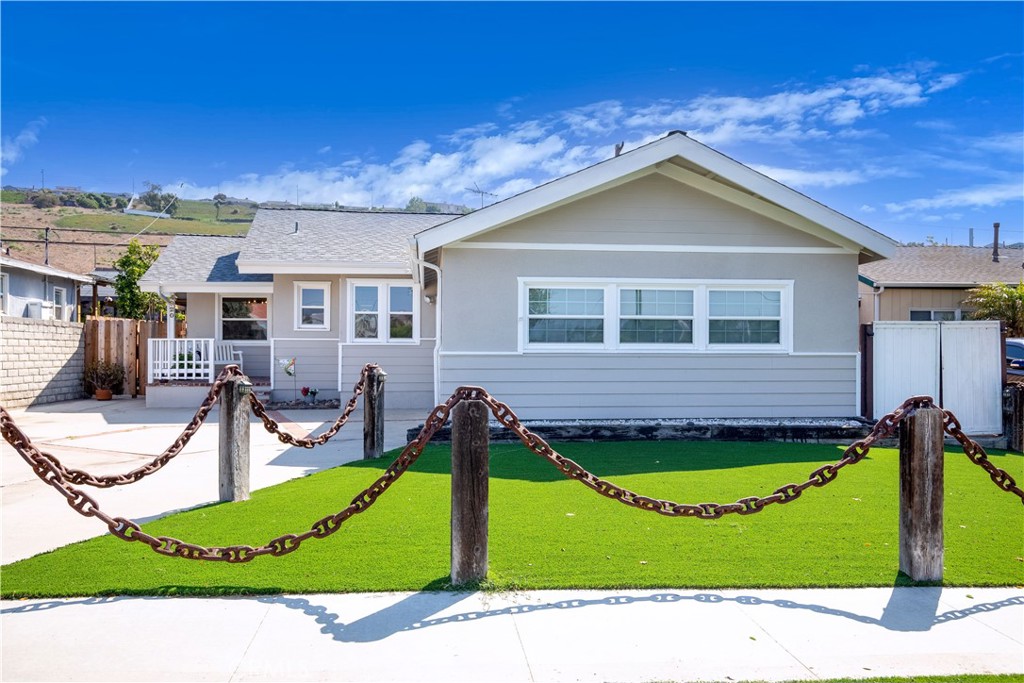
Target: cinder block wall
41 361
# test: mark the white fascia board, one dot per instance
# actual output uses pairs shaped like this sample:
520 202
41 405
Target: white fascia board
649 248
927 285
321 268
10 264
602 176
774 191
182 287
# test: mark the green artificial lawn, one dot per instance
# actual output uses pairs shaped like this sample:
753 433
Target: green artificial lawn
960 678
551 532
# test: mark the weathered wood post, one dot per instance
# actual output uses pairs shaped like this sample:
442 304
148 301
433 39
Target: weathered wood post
373 414
921 481
470 479
234 439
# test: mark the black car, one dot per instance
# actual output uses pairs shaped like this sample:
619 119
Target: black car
1015 356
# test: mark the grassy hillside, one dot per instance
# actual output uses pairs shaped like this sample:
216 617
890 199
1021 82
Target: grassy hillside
192 217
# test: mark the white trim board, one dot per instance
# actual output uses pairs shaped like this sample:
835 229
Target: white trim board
653 248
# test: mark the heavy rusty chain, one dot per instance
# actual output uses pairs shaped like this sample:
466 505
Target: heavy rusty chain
885 427
977 455
126 529
17 439
271 425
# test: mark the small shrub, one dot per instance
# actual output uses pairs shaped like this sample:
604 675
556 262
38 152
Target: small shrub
86 202
45 200
104 375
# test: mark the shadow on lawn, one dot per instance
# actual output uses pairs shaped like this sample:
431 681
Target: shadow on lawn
514 461
910 609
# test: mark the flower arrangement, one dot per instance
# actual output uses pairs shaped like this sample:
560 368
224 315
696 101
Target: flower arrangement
310 392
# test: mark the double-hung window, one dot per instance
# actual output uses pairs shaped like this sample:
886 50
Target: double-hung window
383 312
60 303
640 315
312 305
243 318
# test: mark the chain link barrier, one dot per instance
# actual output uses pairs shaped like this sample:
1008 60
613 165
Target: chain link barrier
50 471
18 440
272 426
976 453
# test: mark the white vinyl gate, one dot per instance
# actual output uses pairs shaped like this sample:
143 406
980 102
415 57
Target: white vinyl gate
959 364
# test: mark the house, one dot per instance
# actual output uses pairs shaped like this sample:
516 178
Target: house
33 290
931 283
669 281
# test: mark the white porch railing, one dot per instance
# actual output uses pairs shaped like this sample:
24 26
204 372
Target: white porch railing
181 360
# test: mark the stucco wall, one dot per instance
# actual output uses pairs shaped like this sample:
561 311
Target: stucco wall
41 361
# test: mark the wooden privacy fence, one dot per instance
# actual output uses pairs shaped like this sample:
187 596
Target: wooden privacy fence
124 341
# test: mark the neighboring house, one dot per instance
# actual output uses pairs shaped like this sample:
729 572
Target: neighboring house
931 283
669 281
31 290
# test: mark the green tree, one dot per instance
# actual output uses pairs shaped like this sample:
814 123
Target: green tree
132 302
416 205
156 199
218 201
999 301
45 200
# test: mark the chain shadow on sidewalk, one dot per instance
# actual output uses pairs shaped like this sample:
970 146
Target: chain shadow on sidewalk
908 610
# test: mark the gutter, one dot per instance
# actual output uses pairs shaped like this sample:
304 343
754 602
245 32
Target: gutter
414 254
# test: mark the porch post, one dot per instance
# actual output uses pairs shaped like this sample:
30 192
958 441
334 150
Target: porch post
171 311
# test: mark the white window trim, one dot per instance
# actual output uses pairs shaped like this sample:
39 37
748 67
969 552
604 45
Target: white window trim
383 311
219 331
957 313
700 289
5 292
60 310
297 293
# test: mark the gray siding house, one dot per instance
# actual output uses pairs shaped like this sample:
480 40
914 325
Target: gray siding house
670 281
33 290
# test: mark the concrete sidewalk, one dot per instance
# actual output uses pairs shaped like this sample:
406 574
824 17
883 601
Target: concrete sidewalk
636 636
668 635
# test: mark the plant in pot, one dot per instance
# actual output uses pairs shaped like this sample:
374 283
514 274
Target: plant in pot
103 378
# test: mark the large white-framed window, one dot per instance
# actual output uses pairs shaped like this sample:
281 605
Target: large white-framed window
5 287
244 318
383 312
312 305
60 303
647 315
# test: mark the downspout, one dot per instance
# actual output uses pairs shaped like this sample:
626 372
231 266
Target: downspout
878 295
420 263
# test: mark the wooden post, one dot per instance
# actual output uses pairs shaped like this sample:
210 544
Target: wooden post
470 472
921 440
234 440
373 414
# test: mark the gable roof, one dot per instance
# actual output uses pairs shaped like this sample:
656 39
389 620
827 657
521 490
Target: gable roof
684 160
327 241
199 263
940 266
8 263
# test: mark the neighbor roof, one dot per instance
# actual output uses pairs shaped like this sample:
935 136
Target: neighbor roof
198 263
944 267
7 263
325 241
687 161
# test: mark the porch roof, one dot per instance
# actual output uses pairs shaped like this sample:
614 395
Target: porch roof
199 263
335 242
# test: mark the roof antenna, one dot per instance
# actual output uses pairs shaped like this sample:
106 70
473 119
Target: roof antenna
618 147
476 190
296 231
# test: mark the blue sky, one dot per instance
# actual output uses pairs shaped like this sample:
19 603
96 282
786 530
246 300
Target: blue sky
905 116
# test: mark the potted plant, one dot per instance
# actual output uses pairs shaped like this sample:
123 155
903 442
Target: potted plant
102 378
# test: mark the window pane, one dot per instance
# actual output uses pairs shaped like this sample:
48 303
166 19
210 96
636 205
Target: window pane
58 297
943 315
737 303
566 331
920 315
655 331
401 326
401 299
743 331
659 302
235 330
312 297
312 316
566 301
255 309
366 326
366 300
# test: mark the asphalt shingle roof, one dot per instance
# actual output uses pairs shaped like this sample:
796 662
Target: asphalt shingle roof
967 266
357 237
195 258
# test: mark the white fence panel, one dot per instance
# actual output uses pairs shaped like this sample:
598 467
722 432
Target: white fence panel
906 363
972 375
181 360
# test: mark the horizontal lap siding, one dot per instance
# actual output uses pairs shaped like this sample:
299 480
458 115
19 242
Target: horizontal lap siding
410 368
316 365
666 386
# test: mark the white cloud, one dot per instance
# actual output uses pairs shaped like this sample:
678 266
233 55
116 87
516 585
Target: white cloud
867 208
968 197
797 178
324 150
13 149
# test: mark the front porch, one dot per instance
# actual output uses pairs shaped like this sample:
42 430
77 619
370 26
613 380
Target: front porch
180 372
